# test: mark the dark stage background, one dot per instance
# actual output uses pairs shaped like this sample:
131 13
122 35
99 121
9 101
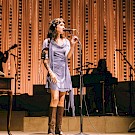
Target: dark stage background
38 103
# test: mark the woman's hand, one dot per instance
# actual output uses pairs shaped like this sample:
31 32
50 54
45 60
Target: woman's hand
74 40
53 77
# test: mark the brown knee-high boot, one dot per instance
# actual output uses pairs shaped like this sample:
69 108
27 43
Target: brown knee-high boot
60 111
52 120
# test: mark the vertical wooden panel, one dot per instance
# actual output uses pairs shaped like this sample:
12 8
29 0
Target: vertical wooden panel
102 26
133 34
110 35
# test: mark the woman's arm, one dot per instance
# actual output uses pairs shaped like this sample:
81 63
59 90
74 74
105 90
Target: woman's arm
46 64
74 40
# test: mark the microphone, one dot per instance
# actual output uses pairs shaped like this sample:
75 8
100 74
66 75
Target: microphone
120 49
14 46
13 55
67 29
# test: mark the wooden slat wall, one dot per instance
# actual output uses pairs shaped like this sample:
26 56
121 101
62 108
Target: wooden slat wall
102 26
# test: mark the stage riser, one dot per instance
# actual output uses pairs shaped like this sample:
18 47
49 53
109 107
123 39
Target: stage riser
17 120
104 124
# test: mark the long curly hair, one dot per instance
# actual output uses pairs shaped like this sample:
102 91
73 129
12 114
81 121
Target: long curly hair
52 32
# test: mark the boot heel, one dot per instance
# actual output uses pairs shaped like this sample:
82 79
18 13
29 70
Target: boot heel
59 133
51 133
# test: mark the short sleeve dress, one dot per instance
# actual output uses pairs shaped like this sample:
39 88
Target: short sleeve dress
59 64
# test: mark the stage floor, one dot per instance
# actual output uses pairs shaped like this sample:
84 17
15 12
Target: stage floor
66 133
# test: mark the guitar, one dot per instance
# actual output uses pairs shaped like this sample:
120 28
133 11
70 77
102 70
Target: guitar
12 47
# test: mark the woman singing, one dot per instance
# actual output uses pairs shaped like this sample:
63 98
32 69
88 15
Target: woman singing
57 51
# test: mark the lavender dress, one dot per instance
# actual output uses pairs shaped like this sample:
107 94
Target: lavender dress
59 64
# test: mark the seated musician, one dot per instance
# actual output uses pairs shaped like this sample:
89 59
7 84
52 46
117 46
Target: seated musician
103 75
3 59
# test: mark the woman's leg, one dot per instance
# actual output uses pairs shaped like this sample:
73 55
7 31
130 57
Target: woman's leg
60 110
52 111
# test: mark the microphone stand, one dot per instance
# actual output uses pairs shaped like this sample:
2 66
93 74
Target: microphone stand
81 85
15 79
130 90
130 82
81 88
